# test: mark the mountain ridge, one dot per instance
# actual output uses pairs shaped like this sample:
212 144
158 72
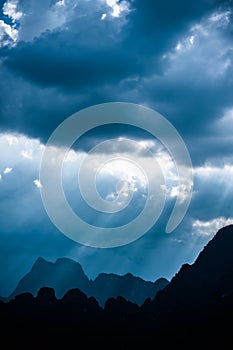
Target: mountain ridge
193 311
65 274
202 289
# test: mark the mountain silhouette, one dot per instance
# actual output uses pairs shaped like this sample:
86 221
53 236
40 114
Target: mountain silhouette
193 311
208 279
132 288
66 274
62 275
199 296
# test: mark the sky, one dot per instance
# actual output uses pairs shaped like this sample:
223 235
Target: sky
60 57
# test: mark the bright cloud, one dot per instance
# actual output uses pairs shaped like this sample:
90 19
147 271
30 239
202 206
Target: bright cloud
209 228
7 170
8 34
117 7
11 139
18 149
103 16
10 10
55 15
122 169
182 190
32 25
37 183
221 18
27 154
225 124
60 3
199 46
218 173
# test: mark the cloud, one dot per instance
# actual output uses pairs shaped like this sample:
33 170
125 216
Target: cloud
179 65
27 154
10 10
205 179
78 66
204 71
7 170
9 31
213 190
11 139
8 34
37 183
57 15
103 16
209 228
117 7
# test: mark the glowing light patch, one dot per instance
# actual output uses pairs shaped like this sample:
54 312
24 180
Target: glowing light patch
59 210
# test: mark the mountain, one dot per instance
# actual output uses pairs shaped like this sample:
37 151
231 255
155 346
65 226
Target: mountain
62 275
209 278
66 274
200 296
132 288
193 311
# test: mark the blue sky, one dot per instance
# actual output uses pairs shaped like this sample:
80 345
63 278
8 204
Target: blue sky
58 57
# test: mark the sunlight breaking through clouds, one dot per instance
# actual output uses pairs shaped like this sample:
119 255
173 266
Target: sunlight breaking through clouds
10 10
117 7
225 123
31 150
25 25
198 45
219 173
210 227
8 34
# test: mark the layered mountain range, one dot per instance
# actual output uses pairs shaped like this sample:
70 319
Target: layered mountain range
193 311
66 274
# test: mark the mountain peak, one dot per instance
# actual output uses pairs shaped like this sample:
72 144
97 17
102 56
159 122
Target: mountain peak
207 279
223 235
218 251
40 260
66 260
65 274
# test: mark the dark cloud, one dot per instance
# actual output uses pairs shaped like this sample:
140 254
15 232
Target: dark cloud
50 63
83 60
157 24
90 51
